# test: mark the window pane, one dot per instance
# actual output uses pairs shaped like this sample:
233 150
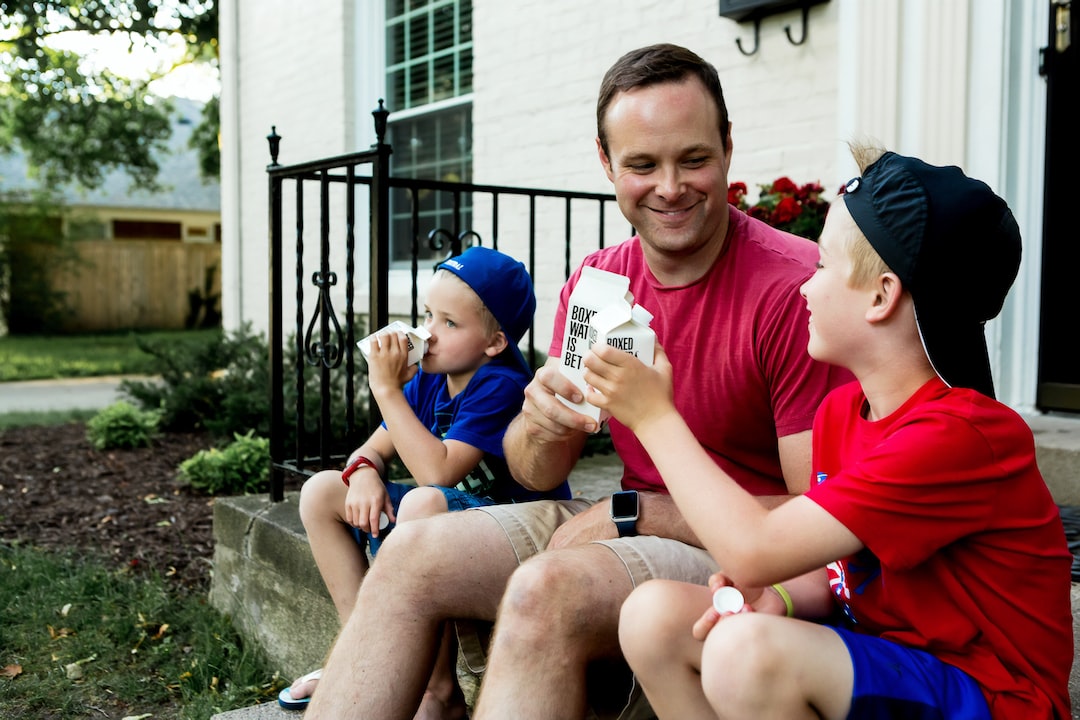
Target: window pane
429 59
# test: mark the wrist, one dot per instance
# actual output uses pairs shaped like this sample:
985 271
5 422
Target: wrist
785 597
357 464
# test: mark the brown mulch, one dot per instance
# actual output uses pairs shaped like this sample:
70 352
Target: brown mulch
58 492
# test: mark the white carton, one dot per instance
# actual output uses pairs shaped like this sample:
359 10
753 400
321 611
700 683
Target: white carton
596 289
626 328
417 336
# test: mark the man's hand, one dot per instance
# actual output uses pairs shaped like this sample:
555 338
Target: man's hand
630 390
388 368
546 419
592 524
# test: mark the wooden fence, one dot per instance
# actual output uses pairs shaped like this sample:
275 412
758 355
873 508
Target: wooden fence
140 285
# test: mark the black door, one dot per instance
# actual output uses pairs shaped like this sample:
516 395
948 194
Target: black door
1059 360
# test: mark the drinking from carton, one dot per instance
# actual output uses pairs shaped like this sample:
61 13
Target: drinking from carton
417 336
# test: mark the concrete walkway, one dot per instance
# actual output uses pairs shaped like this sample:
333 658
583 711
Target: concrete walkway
75 394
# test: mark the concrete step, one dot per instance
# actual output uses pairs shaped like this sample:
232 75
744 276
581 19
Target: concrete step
266 579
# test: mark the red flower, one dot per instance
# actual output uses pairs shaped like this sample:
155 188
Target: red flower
786 211
736 194
783 204
783 185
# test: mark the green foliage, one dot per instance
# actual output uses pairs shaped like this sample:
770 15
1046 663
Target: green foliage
219 385
239 468
43 357
74 124
122 425
222 386
140 649
31 223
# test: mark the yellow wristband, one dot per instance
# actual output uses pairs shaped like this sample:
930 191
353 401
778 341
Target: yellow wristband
783 593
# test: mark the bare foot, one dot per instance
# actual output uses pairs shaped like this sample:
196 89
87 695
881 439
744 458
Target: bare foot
304 687
432 708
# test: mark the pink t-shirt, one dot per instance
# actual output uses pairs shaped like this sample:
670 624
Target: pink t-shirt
737 340
965 554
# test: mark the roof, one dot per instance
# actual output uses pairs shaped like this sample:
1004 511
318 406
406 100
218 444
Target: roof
184 189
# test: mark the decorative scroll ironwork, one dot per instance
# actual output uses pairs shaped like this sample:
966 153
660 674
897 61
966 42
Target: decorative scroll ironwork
329 354
440 238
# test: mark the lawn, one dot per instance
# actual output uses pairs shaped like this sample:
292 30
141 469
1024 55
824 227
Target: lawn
48 357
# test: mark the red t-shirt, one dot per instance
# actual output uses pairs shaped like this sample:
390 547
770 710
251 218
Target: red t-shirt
736 339
965 553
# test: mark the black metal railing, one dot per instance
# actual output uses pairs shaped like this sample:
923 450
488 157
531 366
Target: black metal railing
323 429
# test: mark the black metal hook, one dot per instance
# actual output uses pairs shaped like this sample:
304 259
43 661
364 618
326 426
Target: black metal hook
757 39
805 27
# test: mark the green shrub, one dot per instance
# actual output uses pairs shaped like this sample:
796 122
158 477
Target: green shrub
122 425
239 468
222 386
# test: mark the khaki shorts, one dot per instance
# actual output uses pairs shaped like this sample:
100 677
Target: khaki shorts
529 526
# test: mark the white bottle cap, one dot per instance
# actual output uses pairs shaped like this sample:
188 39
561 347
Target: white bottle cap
728 600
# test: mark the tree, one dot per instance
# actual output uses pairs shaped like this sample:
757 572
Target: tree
75 123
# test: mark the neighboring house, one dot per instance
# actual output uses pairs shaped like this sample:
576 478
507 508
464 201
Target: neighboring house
504 93
141 253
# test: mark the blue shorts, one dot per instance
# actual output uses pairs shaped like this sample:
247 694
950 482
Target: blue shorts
455 500
893 681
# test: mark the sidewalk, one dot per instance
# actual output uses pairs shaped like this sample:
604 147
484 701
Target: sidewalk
74 394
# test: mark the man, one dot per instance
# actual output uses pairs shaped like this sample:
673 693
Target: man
723 290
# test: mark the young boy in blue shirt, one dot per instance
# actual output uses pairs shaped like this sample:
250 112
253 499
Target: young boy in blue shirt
445 421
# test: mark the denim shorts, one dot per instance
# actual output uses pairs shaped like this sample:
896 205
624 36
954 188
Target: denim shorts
455 500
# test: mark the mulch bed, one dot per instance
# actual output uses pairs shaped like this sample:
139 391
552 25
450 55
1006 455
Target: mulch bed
60 493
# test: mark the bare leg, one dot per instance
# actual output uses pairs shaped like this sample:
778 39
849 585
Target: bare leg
341 560
776 668
443 699
448 566
654 632
560 611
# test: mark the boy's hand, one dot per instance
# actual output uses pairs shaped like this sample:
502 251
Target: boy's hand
547 418
388 368
757 600
630 390
366 498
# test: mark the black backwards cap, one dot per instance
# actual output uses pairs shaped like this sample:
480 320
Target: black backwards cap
955 246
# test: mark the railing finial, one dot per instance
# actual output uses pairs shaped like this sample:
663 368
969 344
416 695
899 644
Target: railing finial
275 144
380 114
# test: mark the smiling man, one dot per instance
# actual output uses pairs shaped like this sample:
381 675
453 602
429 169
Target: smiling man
723 291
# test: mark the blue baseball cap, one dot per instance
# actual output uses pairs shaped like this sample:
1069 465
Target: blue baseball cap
935 226
504 286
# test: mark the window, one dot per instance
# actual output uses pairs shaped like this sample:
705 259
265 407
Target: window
429 83
146 230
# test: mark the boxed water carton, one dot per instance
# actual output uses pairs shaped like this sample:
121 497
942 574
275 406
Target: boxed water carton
417 337
625 327
595 291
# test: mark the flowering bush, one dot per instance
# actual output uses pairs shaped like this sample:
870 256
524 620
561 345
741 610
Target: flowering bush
785 205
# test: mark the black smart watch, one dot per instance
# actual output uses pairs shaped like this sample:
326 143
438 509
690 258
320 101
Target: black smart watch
624 512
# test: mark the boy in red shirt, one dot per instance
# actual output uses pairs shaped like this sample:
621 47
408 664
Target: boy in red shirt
929 551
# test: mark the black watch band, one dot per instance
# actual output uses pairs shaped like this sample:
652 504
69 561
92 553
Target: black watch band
624 512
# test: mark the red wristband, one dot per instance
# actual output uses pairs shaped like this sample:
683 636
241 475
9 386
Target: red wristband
355 465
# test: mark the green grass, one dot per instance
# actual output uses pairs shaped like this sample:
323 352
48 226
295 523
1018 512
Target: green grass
43 357
137 648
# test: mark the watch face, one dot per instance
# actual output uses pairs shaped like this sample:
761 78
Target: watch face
624 505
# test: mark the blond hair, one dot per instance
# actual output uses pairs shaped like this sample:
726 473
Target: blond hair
866 264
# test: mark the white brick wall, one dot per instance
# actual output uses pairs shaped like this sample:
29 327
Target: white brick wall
911 73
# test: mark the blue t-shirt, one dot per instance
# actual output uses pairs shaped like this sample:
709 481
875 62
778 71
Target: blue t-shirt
478 416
